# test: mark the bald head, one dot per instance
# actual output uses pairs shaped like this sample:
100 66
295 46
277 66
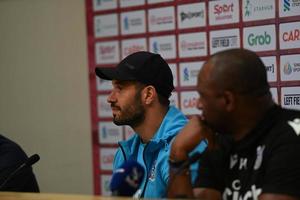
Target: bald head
240 71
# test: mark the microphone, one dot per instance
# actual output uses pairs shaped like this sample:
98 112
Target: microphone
127 179
30 161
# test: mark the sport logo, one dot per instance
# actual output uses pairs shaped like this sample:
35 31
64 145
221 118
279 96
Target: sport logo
287 68
254 40
219 9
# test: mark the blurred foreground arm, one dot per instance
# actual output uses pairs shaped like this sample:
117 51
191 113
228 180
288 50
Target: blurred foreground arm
180 181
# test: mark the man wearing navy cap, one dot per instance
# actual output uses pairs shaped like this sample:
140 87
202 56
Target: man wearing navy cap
142 85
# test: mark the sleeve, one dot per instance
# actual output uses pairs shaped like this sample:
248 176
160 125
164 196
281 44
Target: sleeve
283 167
210 171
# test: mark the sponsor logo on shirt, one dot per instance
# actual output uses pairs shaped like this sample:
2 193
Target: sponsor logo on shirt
295 124
234 192
259 156
152 174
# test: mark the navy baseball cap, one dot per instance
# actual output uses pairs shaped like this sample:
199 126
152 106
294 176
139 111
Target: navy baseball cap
145 67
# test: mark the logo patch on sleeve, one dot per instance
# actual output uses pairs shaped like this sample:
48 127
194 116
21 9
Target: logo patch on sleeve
295 124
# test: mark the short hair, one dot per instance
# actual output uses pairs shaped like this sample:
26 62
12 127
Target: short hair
164 101
240 71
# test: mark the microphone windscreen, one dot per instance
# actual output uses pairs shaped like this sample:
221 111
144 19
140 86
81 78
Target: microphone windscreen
127 179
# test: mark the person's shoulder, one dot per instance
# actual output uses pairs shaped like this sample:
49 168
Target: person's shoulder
285 129
10 152
288 122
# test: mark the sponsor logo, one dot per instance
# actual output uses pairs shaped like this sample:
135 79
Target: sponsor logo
107 52
107 159
133 48
289 69
161 47
223 11
270 68
190 103
291 99
190 15
112 132
250 8
289 8
254 40
155 20
186 74
228 41
295 124
100 2
100 27
126 23
132 22
186 45
234 192
286 5
152 172
233 160
161 19
292 35
241 162
259 156
155 47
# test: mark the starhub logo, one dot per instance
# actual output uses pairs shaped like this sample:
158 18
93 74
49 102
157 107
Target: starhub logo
248 8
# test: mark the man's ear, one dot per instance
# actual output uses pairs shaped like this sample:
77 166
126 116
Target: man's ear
148 94
229 100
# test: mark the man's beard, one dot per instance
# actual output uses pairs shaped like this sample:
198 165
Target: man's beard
133 114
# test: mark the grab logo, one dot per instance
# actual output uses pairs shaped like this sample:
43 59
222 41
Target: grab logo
263 39
260 38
